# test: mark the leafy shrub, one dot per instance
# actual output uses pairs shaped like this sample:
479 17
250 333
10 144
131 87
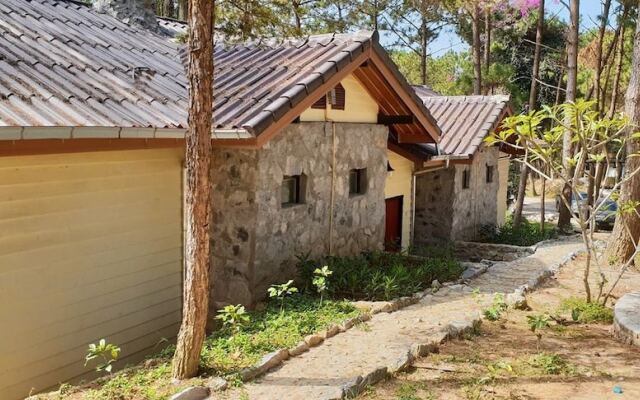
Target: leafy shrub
498 306
585 312
227 351
527 234
380 276
104 353
233 317
551 364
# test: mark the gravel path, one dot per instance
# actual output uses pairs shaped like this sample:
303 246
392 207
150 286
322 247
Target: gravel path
389 342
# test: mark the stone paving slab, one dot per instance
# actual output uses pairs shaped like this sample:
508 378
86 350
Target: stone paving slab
389 342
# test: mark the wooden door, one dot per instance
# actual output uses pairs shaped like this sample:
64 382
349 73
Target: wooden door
393 224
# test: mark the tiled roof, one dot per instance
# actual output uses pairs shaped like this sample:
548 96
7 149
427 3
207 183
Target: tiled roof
464 120
64 64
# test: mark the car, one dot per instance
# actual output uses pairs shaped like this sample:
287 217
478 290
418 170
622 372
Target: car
606 209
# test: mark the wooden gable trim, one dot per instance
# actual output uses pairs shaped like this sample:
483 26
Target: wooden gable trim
430 126
399 150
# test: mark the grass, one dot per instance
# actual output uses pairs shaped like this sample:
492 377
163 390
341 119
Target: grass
586 313
226 351
527 234
381 276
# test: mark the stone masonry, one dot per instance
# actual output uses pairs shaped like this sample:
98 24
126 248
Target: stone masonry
255 240
446 211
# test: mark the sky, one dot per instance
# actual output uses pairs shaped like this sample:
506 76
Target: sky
589 11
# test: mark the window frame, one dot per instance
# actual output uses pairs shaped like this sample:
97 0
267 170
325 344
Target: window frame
489 173
361 183
297 194
466 179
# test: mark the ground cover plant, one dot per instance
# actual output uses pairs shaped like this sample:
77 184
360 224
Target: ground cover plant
242 340
526 234
380 276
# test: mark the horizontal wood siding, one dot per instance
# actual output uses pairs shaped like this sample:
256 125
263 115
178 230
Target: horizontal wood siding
90 248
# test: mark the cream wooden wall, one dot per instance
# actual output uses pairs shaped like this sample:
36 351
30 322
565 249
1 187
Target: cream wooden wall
90 248
359 106
503 179
399 183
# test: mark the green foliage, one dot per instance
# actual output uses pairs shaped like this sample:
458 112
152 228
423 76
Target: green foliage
587 312
537 323
498 306
450 74
380 276
281 291
104 353
227 351
233 317
527 234
551 364
319 280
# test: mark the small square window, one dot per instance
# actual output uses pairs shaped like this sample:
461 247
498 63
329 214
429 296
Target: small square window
357 181
490 173
466 178
292 191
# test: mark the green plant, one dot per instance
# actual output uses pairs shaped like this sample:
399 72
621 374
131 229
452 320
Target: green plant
320 276
584 312
526 234
281 291
380 276
105 353
537 323
550 363
498 306
233 317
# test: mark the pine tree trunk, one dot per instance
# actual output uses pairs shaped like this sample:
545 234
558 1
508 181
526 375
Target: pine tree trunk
621 246
197 191
620 61
423 51
522 189
564 217
476 45
533 93
487 46
603 27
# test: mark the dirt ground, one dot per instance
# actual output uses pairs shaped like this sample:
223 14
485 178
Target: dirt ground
502 361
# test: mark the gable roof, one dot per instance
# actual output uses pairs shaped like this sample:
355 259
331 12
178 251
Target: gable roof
62 64
464 120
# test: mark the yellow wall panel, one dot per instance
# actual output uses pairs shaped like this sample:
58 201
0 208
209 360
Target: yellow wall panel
359 106
90 248
399 183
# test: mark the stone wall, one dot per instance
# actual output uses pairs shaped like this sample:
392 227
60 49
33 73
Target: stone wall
446 211
434 207
476 206
256 239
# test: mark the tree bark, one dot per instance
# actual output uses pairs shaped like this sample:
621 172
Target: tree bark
487 45
620 61
183 9
476 46
533 93
197 191
603 28
522 189
423 51
564 217
621 246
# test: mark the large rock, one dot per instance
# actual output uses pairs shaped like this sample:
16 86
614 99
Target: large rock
138 13
192 393
626 319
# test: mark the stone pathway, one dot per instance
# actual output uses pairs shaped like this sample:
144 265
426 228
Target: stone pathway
389 342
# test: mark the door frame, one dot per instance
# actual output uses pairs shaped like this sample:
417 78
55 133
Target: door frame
400 220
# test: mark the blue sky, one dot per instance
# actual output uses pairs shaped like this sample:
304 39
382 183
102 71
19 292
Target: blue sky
589 11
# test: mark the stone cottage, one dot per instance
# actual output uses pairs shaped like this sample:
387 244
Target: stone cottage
93 115
464 187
